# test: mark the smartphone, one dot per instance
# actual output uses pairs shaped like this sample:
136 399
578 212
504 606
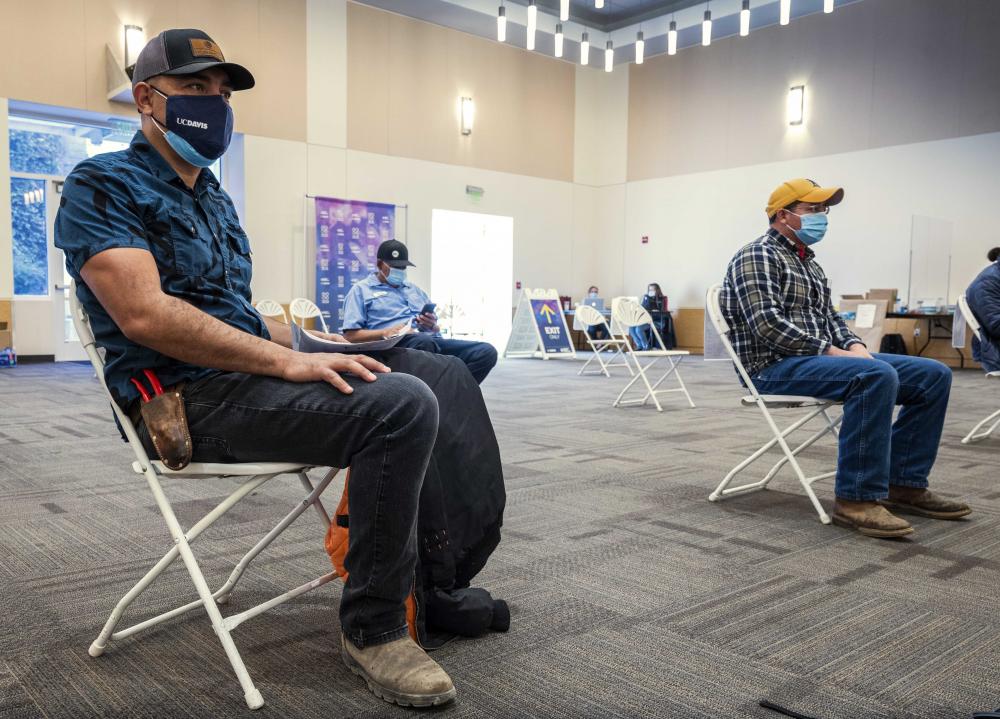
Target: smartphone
428 309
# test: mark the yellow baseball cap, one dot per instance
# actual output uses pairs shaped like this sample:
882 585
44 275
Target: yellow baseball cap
802 190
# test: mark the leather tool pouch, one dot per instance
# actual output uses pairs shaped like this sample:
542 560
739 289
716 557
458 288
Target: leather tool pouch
166 422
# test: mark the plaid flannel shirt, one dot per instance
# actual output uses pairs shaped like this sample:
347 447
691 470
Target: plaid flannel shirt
777 304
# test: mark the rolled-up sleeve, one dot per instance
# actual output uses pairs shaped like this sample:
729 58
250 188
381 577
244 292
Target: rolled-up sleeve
96 213
355 317
757 283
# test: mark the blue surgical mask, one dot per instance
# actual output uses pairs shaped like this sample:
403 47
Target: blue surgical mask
593 295
396 276
199 127
813 228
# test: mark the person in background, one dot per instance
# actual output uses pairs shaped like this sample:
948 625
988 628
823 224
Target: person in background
596 332
983 297
776 299
385 304
653 302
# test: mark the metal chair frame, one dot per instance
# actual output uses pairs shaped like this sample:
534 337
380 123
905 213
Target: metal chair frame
629 314
818 408
590 317
977 433
252 476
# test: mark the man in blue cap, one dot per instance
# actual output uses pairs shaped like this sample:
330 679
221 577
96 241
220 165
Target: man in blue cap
386 304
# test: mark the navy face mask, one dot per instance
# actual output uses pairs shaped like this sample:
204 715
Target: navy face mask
199 127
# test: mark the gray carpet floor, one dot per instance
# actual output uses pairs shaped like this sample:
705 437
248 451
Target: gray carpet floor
631 594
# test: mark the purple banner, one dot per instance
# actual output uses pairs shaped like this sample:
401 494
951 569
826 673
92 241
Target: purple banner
347 235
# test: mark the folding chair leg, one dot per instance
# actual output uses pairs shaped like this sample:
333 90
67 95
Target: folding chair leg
222 594
251 694
724 490
975 435
99 644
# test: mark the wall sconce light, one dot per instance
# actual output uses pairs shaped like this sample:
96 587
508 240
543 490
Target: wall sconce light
796 104
468 115
135 40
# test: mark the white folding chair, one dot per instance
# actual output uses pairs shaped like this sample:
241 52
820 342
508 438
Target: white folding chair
978 432
818 407
270 308
616 329
253 476
628 314
303 309
590 317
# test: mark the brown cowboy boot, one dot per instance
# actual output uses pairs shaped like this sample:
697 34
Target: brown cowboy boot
917 500
399 672
869 518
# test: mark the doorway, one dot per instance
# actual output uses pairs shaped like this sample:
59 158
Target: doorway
472 271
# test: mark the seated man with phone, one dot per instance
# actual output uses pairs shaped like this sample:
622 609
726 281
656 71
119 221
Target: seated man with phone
385 304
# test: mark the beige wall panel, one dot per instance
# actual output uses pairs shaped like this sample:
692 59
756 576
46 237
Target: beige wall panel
104 21
600 141
6 228
42 48
367 75
276 107
326 72
327 171
405 79
65 41
980 81
877 74
918 62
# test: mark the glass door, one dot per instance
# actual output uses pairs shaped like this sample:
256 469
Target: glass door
65 342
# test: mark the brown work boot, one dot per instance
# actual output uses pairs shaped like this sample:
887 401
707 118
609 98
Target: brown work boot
869 518
917 500
399 672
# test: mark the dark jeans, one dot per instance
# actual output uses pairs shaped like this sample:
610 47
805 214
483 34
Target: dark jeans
384 432
874 452
597 332
479 357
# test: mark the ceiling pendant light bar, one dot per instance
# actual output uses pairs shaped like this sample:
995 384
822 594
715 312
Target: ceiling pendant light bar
563 10
559 40
609 56
585 49
502 24
706 29
785 12
598 4
640 48
828 6
745 19
532 23
672 39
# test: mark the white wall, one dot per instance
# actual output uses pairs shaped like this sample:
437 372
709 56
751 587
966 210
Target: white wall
697 221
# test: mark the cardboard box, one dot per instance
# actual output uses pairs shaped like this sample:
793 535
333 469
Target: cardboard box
888 295
6 339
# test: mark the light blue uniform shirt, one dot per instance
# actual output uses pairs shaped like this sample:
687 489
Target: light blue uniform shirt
374 305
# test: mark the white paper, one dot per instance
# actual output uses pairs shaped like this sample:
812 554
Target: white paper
865 318
302 341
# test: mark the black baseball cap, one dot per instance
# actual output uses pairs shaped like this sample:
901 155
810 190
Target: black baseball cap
186 52
394 254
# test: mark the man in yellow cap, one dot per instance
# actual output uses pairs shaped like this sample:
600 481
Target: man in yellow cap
776 299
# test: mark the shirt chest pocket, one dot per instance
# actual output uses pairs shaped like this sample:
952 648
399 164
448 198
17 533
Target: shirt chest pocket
240 258
194 249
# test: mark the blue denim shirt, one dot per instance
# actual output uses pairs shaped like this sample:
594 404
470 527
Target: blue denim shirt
374 305
133 198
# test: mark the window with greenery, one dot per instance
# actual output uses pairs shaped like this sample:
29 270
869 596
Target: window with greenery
31 262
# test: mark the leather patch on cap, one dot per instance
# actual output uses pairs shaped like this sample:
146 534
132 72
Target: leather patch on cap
205 48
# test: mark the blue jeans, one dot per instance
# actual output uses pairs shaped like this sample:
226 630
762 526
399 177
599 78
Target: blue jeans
874 452
479 357
640 335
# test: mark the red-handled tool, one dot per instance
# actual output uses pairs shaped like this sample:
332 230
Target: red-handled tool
154 382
